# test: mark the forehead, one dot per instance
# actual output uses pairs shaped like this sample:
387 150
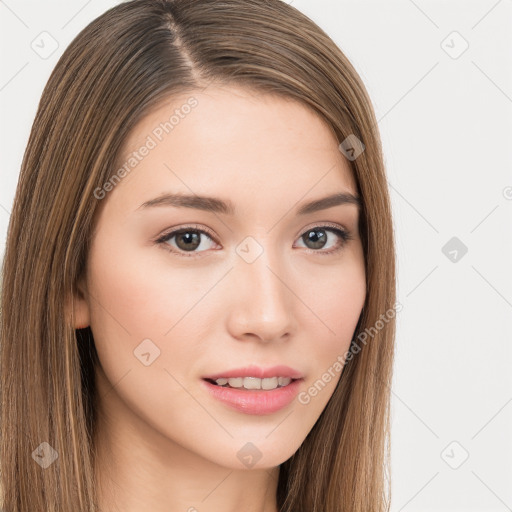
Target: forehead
235 143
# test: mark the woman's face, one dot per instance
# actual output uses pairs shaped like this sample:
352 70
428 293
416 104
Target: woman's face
251 281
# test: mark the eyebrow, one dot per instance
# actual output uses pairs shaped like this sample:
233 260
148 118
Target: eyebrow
216 205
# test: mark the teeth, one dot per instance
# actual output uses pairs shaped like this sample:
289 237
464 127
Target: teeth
252 383
255 383
236 382
284 381
269 383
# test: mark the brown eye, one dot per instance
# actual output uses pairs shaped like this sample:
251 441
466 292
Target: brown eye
318 238
186 240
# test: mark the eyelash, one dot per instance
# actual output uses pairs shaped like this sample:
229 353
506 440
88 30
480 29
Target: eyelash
344 234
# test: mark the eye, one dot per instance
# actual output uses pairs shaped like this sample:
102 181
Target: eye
189 239
317 238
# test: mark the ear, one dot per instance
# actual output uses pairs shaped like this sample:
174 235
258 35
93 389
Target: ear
78 305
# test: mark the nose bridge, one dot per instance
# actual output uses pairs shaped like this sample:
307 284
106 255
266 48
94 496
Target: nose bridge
263 272
264 300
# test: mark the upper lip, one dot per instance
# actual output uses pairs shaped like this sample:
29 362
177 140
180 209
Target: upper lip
256 371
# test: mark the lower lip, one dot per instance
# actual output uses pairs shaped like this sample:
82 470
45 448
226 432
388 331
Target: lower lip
255 401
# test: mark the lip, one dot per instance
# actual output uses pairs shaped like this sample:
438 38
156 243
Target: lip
257 402
256 371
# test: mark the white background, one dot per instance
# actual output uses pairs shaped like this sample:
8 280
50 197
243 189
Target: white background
446 125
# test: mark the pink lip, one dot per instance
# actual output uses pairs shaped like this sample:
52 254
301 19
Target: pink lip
256 371
255 401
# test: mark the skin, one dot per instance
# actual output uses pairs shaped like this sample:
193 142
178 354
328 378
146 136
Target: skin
163 442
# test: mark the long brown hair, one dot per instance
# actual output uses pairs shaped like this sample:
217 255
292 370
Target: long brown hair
122 65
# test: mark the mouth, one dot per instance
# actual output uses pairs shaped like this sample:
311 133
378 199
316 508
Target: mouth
252 383
254 399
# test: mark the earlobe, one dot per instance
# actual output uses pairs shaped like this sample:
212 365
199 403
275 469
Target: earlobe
77 308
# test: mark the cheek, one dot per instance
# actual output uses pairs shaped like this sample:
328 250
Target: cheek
136 294
129 296
336 301
335 304
345 304
339 307
141 305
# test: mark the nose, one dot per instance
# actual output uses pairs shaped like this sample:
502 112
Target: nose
262 304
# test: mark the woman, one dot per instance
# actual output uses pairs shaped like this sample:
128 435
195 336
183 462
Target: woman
198 264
